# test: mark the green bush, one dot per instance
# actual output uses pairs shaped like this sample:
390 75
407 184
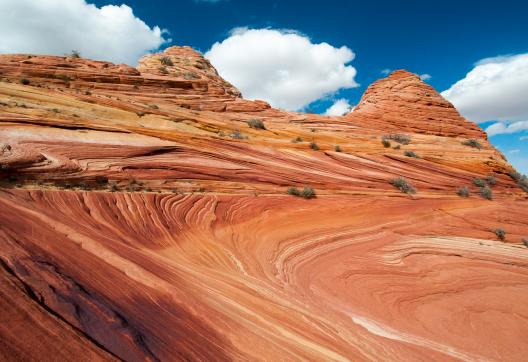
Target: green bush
256 123
491 180
463 191
75 54
306 193
314 146
337 148
411 154
25 81
297 140
293 191
165 60
163 70
472 143
501 234
403 185
385 142
404 139
479 182
486 193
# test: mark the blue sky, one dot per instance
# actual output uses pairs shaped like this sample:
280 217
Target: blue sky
442 39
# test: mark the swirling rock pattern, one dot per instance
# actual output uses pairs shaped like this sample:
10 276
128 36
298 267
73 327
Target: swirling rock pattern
142 218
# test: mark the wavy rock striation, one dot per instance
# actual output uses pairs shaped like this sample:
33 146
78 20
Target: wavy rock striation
144 215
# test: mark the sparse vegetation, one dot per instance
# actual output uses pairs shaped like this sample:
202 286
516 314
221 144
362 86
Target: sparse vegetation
501 234
237 135
75 54
411 154
293 191
163 70
297 140
525 242
337 148
486 193
314 146
153 106
403 185
113 187
472 143
25 81
404 139
521 180
190 75
256 123
463 191
306 193
88 93
165 60
397 147
479 182
385 142
140 114
491 180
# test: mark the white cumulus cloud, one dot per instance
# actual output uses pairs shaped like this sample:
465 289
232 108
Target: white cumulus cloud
57 27
506 127
282 67
425 77
339 108
494 90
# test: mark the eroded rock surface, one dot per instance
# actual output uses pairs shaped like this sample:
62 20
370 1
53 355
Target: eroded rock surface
143 218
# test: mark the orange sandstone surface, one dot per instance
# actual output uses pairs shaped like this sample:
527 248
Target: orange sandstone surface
142 218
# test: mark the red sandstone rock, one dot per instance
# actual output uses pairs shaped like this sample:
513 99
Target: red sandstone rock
142 218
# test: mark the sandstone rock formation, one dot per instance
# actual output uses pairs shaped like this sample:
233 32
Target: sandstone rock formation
142 217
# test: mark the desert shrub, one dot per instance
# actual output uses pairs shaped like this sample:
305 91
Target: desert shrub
479 182
190 75
337 148
140 114
163 70
385 142
25 81
113 187
88 93
516 176
237 135
501 234
153 106
256 123
314 146
404 139
472 143
397 147
293 191
411 154
75 54
463 191
165 60
306 193
491 180
297 140
523 183
525 242
486 193
403 185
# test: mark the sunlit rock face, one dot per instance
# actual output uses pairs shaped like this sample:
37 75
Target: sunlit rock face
143 218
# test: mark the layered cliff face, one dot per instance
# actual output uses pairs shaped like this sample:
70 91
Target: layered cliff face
144 214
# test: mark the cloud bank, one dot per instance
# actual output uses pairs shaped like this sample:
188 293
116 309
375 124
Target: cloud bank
494 90
282 67
57 27
339 108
